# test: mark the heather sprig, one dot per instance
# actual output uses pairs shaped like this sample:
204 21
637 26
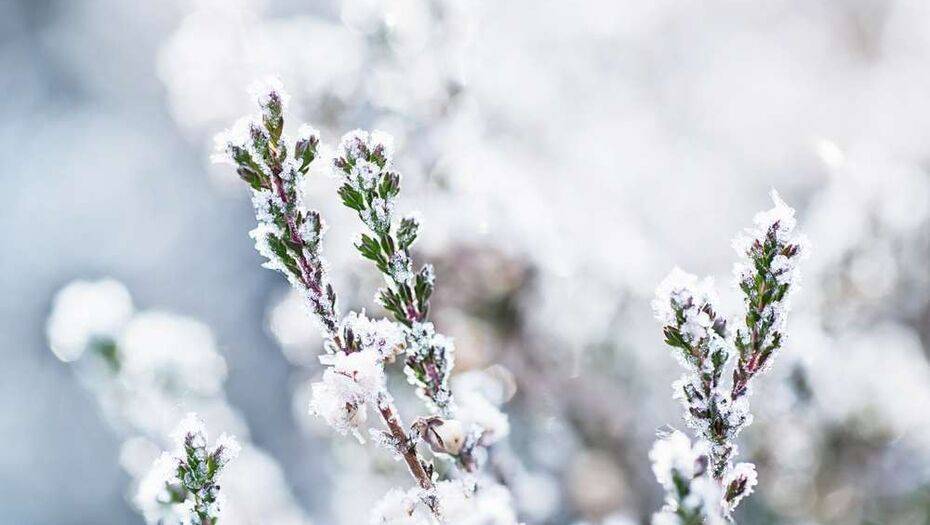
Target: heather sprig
288 234
185 484
370 186
142 366
767 275
697 333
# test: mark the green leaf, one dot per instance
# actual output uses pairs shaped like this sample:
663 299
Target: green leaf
352 198
370 249
392 303
390 185
407 232
280 250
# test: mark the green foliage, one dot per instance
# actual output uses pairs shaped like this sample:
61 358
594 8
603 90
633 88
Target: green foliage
352 198
407 232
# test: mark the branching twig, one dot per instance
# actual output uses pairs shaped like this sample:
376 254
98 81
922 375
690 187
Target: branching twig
290 236
766 275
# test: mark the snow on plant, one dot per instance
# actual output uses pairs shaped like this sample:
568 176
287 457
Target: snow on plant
143 366
357 348
370 187
767 274
85 315
183 486
692 495
463 503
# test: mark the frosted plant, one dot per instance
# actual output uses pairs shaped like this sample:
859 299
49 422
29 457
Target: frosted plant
183 486
144 368
370 187
141 365
692 495
357 348
462 503
88 315
767 274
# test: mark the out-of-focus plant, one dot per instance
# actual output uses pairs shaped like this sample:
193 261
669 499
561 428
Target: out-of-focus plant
183 486
706 486
357 348
143 367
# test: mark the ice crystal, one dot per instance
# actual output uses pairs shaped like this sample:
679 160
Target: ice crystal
270 95
228 448
383 336
340 401
190 431
683 300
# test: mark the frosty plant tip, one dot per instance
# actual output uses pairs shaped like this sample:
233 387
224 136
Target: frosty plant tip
702 480
289 235
183 486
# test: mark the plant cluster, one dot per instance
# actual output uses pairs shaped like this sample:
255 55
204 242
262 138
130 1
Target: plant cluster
357 348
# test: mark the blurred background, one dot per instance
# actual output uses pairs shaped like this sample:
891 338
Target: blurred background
563 155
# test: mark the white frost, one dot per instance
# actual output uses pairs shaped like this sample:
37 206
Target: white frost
84 311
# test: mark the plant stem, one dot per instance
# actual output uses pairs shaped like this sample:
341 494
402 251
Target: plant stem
406 447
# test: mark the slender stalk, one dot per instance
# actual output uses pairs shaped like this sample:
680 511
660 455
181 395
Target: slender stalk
406 446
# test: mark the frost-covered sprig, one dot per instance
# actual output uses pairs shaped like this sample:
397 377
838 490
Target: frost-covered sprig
692 496
697 333
767 275
183 487
288 234
370 187
88 315
692 326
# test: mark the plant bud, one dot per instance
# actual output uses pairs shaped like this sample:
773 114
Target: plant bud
444 436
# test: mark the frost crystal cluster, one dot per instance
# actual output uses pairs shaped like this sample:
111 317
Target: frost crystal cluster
358 348
183 486
462 503
767 274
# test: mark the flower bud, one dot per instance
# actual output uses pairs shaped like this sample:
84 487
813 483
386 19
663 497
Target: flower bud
444 436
